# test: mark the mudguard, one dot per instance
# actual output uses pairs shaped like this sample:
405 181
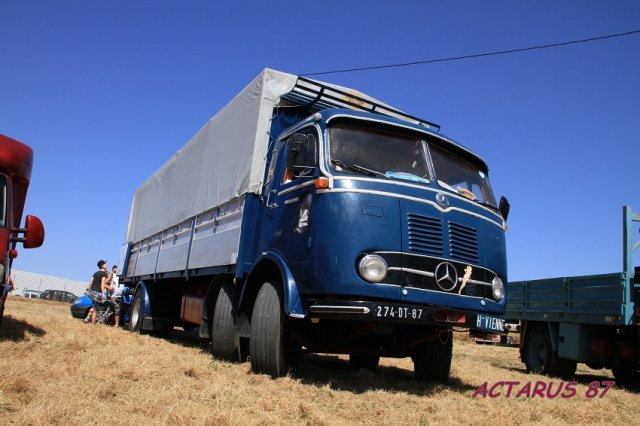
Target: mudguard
554 335
292 303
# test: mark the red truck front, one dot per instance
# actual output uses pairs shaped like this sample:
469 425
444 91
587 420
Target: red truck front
16 160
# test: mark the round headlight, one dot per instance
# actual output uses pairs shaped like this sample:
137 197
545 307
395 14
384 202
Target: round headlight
498 288
373 268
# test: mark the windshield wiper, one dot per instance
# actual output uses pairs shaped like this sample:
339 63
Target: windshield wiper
360 169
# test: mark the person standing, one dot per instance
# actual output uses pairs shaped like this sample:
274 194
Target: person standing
99 283
117 293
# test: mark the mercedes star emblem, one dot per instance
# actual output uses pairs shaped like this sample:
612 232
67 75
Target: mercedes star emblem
446 276
442 200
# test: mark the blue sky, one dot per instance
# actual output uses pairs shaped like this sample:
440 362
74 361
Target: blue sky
106 91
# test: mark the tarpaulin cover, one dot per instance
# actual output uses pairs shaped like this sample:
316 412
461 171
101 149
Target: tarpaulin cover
225 159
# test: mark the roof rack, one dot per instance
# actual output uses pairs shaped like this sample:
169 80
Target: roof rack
310 93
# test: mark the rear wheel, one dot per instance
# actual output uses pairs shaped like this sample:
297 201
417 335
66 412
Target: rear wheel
369 362
539 356
432 360
268 346
223 326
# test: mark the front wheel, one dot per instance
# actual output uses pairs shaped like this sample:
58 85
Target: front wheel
137 311
432 360
268 347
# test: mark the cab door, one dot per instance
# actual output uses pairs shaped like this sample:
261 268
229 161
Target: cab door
292 195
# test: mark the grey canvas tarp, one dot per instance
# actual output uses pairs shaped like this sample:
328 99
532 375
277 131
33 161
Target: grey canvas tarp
224 160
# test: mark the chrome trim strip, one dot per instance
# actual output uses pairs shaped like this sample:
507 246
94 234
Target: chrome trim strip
293 188
329 309
476 282
292 200
424 188
413 271
406 197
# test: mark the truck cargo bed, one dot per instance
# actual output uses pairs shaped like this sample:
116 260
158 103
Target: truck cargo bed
592 299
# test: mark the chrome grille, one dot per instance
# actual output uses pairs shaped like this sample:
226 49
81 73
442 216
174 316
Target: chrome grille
463 242
425 234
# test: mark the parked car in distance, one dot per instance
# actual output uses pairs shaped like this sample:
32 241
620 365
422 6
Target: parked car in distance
81 306
59 296
32 294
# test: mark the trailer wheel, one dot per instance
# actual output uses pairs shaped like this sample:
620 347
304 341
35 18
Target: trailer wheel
268 346
540 358
223 325
368 362
137 311
432 360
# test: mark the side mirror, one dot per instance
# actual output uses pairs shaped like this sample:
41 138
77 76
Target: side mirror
297 157
504 207
33 232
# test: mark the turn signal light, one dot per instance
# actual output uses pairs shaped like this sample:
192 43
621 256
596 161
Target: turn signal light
322 183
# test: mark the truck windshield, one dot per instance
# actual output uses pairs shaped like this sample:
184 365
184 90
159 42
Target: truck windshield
377 152
461 176
3 201
393 155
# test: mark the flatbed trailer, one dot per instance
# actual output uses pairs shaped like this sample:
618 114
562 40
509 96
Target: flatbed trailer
590 319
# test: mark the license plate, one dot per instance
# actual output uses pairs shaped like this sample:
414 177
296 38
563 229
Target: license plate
399 312
490 323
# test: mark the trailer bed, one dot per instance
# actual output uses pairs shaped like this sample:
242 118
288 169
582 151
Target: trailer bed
592 299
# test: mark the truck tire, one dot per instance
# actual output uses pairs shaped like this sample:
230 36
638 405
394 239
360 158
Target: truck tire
369 362
223 326
137 312
268 345
540 358
432 360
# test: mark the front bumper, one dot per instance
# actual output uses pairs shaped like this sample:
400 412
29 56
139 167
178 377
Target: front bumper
403 313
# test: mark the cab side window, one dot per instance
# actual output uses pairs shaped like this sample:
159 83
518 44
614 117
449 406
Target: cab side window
301 156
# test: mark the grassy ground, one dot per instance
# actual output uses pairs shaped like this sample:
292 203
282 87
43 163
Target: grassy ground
59 370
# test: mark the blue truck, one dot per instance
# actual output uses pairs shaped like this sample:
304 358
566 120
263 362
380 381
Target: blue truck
589 319
307 217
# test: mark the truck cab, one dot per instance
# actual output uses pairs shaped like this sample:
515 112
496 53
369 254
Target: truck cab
16 161
369 206
380 225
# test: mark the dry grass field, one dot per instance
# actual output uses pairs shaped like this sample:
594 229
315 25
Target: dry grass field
59 370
